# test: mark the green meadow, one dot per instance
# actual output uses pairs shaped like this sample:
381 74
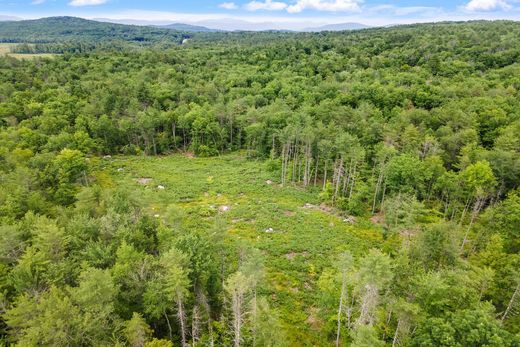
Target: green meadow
297 236
5 49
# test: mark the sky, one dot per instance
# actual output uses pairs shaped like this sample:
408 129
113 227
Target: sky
278 14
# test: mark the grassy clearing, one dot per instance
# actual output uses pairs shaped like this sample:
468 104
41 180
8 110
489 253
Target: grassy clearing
5 49
32 56
234 191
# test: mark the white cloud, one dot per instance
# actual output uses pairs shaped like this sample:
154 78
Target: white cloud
325 5
267 5
79 3
419 11
487 5
228 6
37 2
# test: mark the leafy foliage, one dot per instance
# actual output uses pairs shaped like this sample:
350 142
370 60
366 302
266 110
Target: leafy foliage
263 189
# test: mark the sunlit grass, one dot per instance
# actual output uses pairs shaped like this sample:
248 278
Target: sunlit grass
302 242
5 49
32 56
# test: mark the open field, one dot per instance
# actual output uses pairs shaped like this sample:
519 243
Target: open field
5 49
31 56
233 192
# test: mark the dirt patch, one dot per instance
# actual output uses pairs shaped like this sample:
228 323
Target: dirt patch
189 154
292 255
289 213
325 207
377 218
409 233
313 320
144 180
322 207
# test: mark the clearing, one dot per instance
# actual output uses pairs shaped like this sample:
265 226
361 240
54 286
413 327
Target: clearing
298 242
5 49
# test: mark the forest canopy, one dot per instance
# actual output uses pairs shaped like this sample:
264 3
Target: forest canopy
409 135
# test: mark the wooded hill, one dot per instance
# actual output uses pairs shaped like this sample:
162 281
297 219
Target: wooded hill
72 29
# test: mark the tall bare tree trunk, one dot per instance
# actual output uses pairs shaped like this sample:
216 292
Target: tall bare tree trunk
368 305
339 175
476 209
316 170
174 128
195 325
237 319
204 303
181 316
466 206
325 176
378 187
394 341
511 302
169 325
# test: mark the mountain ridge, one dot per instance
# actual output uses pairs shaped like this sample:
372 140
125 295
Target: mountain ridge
67 28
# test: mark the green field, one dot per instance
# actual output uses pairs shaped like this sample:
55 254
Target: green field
234 192
5 49
31 56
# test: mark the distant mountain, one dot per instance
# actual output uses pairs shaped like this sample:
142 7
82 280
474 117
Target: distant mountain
338 27
188 27
8 18
60 29
233 24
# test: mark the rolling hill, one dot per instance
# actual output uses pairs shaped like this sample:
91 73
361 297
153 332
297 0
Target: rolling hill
188 27
63 29
338 27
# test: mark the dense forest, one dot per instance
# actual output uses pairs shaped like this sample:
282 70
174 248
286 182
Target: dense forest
410 131
77 35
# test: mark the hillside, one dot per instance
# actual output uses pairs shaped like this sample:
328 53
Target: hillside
71 29
338 27
187 27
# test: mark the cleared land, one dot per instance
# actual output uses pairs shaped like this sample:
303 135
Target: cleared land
297 236
5 49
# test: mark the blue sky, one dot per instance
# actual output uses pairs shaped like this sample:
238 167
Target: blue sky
286 13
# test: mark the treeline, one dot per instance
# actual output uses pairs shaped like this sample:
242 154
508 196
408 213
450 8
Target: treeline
54 30
81 47
419 124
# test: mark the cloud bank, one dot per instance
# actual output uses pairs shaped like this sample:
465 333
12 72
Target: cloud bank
81 3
